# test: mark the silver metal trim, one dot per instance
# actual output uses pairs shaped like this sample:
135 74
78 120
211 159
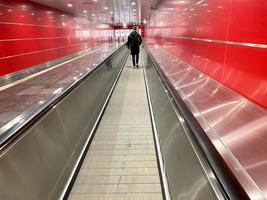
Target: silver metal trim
21 39
197 3
23 24
245 44
37 25
160 157
90 135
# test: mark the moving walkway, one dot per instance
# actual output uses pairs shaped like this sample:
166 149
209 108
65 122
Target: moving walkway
117 133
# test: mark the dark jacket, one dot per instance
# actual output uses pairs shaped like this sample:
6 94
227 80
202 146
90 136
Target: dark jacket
134 41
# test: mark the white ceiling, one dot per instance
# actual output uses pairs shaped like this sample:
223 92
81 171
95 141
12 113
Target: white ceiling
118 11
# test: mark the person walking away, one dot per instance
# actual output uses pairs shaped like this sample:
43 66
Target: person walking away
133 43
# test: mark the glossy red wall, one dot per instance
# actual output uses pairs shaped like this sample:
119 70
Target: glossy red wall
223 38
31 34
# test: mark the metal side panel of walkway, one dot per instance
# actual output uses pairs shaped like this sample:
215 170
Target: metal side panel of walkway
121 162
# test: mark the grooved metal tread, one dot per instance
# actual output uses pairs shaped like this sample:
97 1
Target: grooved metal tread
121 162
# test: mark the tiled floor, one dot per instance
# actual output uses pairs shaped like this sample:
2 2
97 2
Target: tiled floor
121 162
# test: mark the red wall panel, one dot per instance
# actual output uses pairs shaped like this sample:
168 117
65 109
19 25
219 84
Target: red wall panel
248 21
32 34
222 38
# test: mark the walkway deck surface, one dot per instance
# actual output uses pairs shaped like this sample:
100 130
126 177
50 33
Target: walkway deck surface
121 162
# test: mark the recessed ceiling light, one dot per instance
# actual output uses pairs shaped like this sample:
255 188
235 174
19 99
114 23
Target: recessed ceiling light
69 5
106 8
111 12
134 10
133 3
23 6
93 15
181 2
95 0
85 11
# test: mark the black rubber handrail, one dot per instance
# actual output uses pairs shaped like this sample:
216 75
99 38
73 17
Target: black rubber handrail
19 129
223 173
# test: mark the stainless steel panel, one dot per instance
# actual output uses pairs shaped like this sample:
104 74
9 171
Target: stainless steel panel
187 170
234 126
39 163
42 89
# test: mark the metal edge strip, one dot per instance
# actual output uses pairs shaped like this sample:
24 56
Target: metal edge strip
74 173
245 44
25 24
166 192
40 38
43 50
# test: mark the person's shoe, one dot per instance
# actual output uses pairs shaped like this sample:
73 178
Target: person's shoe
137 66
133 67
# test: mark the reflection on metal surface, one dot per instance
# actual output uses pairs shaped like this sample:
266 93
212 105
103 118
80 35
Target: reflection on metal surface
190 176
38 164
208 37
10 78
162 170
245 44
192 194
236 126
32 108
94 127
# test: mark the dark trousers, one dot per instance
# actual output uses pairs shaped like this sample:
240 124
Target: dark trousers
135 58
